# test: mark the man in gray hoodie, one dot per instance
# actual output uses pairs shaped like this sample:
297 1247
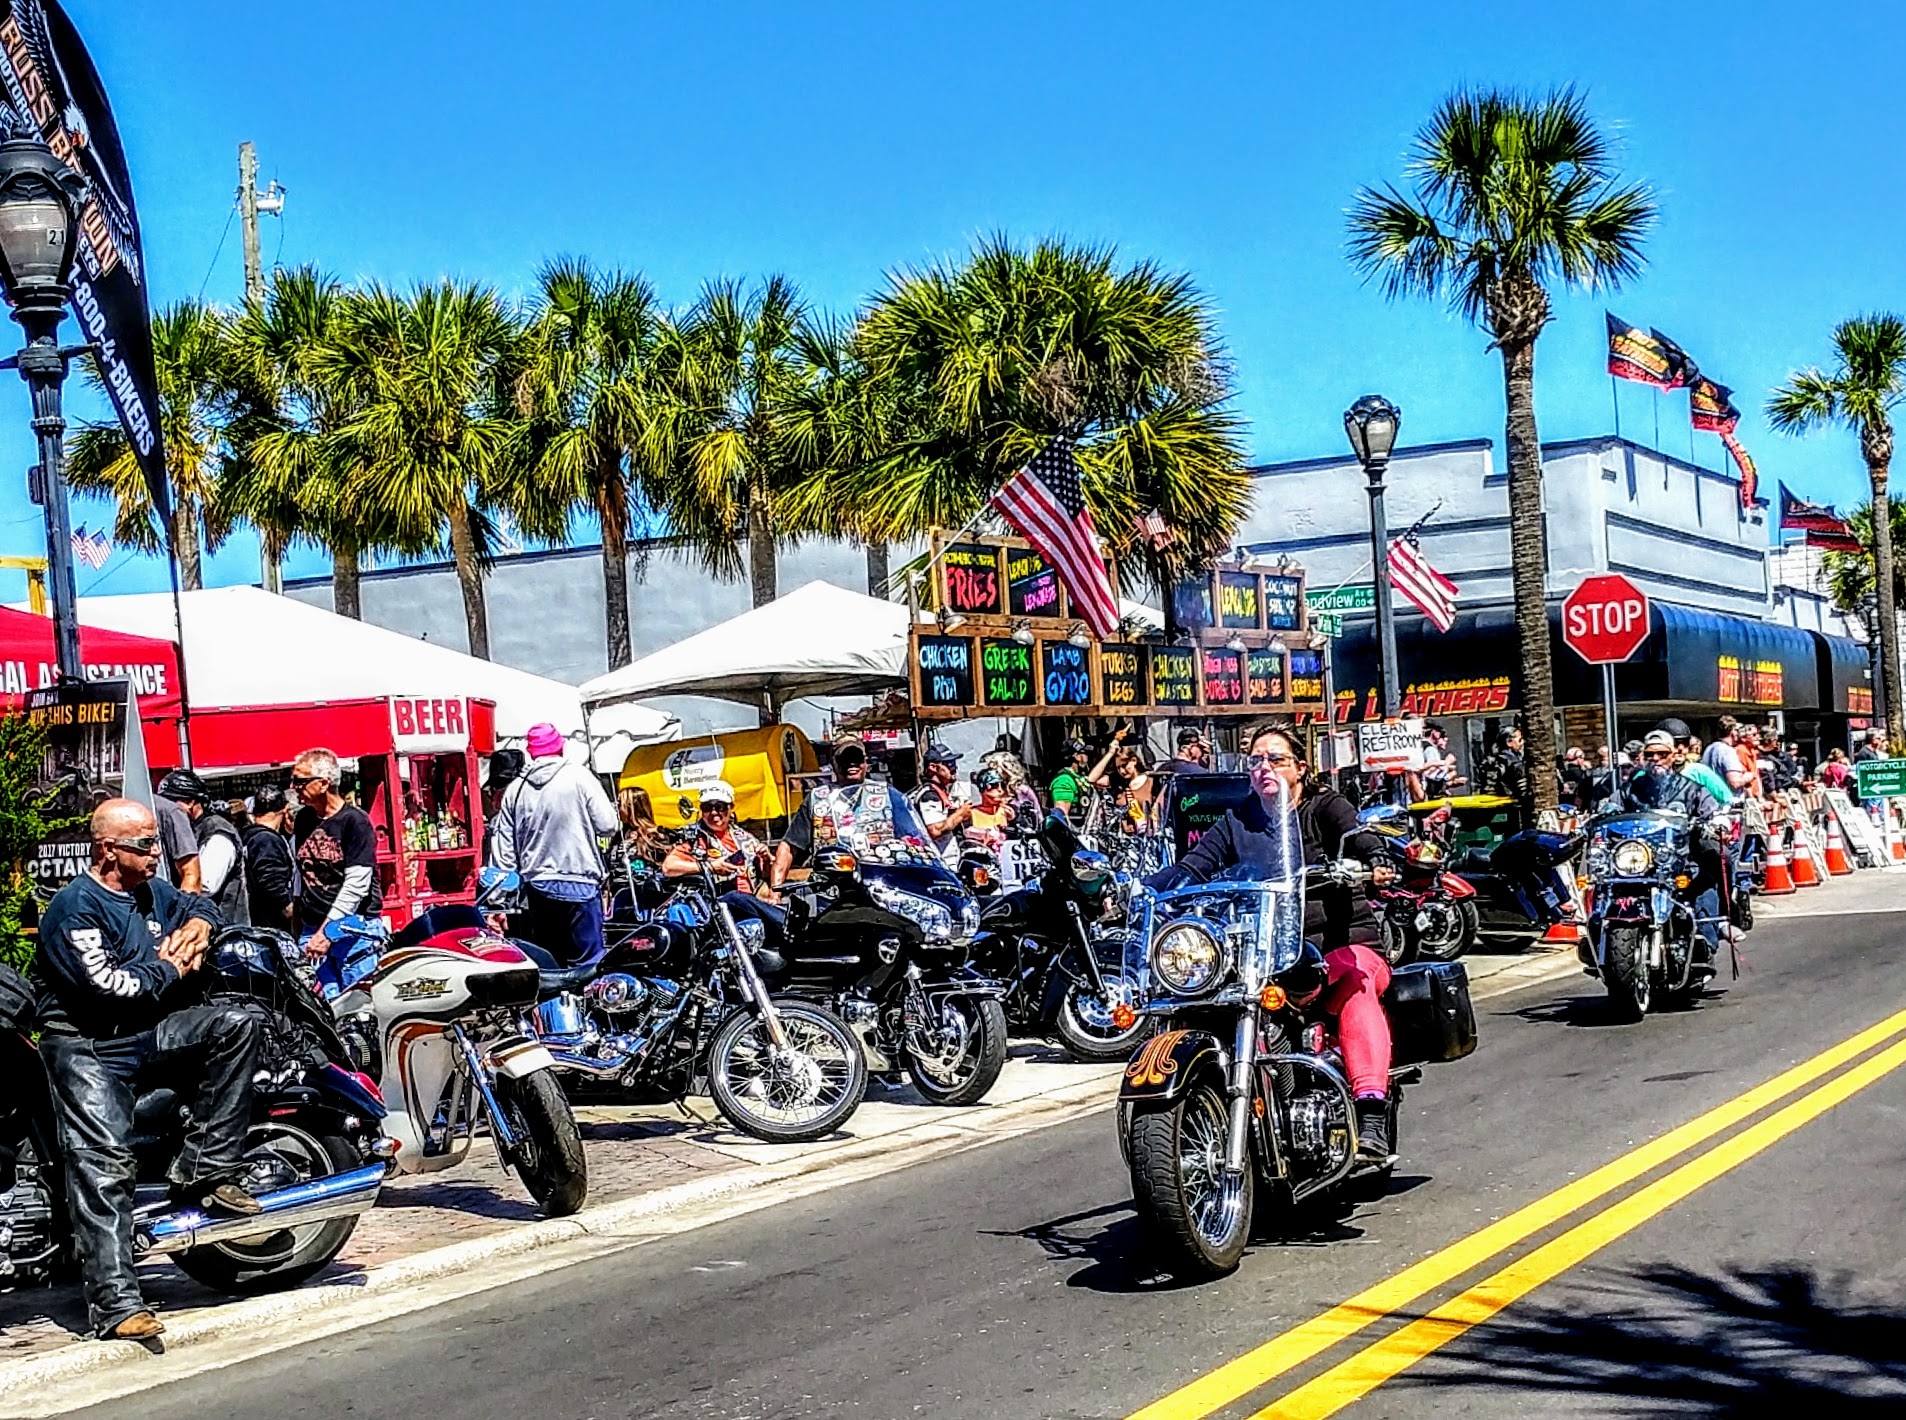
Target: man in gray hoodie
549 829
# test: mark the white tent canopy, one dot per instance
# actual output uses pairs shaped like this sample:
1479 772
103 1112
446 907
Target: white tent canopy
244 646
819 639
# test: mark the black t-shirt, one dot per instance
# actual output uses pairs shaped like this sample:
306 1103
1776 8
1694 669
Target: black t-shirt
327 847
98 968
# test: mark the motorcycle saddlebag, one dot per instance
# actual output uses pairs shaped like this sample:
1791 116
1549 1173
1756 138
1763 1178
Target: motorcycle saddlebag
18 1010
1431 1018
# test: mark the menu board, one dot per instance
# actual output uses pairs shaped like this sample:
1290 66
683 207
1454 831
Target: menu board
970 575
1006 675
1197 801
1174 675
1191 602
1121 675
1222 673
1264 676
1283 603
945 666
1032 585
1307 674
1066 673
1238 601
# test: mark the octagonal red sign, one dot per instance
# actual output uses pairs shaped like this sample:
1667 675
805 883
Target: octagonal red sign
1605 619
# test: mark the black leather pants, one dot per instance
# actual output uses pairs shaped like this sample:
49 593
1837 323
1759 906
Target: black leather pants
95 1083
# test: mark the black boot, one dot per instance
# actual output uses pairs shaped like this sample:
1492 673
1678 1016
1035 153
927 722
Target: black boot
1373 1131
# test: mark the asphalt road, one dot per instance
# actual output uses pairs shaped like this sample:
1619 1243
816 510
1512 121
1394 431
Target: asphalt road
1758 1272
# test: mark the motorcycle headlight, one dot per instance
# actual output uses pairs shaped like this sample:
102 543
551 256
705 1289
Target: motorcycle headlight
933 920
1187 958
1633 859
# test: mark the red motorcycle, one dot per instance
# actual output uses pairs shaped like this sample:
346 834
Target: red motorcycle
1426 912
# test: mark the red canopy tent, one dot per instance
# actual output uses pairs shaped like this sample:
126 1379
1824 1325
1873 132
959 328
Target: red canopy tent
27 662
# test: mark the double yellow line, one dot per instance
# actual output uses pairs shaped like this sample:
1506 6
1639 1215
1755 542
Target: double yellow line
1360 1374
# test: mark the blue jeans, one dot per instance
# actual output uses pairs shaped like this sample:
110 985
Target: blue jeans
570 931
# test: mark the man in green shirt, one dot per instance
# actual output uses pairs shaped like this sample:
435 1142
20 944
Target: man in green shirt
1688 762
1071 787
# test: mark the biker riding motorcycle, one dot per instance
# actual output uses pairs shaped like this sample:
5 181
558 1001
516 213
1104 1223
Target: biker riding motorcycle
734 855
115 946
1350 978
1658 785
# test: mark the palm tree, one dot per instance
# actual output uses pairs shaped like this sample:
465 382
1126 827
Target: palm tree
582 380
1849 575
192 357
423 432
1513 194
1866 384
978 365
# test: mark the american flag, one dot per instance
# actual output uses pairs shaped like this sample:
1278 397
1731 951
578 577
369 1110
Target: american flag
91 548
1153 530
1426 589
1046 505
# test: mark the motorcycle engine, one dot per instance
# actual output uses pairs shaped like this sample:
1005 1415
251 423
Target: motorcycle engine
27 1244
1319 1129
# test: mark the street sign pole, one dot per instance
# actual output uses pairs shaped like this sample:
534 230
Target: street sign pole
1605 621
1608 720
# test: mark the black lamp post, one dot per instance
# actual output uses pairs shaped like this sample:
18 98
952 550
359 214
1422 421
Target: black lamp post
39 202
1372 423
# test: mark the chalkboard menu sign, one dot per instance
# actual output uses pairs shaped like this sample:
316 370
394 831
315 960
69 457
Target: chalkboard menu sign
1006 676
1196 801
1283 602
1264 676
945 666
1223 674
970 574
1238 601
1032 586
1121 675
1065 673
1174 675
1191 602
1307 674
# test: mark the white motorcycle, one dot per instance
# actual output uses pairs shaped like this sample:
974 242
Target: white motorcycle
434 1015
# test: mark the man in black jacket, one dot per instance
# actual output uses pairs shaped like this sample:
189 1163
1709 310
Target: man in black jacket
271 874
114 946
221 856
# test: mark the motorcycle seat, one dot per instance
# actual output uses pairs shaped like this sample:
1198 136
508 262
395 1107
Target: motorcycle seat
554 981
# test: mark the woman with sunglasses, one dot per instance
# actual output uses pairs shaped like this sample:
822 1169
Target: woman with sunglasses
1337 917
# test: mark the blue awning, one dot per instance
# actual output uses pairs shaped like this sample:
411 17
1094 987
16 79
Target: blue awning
1714 659
1845 672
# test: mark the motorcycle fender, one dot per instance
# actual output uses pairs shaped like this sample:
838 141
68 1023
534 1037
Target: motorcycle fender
1458 888
517 1056
1168 1062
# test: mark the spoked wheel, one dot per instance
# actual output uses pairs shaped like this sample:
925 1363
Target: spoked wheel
1085 1026
1394 941
1625 973
955 1058
1452 930
788 1096
548 1156
1197 1215
289 1256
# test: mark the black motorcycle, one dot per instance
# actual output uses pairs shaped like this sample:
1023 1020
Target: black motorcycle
1061 960
315 1158
880 931
1644 938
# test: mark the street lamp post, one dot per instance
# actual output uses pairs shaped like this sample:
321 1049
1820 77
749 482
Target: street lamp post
1372 423
39 202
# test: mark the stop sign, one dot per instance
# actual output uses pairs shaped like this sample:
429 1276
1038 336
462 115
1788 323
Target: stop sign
1605 619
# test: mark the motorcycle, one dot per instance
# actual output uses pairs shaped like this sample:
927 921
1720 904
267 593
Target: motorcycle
1427 912
1643 937
1062 962
879 931
1243 1089
677 1003
315 1156
434 1014
1521 884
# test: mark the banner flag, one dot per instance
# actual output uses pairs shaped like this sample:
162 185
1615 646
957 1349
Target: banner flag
1801 516
49 90
1711 407
1426 589
1834 541
1682 371
1634 354
1750 476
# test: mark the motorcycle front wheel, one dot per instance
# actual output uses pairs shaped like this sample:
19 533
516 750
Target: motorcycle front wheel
548 1156
1197 1217
790 1096
1085 1027
1625 972
290 1256
966 1054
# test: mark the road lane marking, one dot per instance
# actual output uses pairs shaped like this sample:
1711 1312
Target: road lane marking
1239 1377
1351 1380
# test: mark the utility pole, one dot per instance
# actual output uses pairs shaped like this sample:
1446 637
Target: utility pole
272 573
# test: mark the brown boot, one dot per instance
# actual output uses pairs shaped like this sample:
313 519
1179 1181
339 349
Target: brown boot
140 1326
231 1198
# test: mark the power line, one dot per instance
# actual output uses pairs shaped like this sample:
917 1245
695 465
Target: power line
219 252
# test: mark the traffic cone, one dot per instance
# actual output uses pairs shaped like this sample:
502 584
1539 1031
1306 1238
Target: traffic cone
1895 840
1837 864
1778 880
1804 872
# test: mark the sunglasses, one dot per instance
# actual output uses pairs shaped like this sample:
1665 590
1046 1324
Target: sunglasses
1657 754
298 781
1269 761
718 808
141 847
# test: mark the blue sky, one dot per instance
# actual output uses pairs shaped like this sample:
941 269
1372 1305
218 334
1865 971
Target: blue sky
837 142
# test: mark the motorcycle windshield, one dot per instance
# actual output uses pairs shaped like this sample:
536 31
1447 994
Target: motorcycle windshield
875 823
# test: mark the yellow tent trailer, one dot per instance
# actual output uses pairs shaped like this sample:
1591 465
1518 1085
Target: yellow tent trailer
757 763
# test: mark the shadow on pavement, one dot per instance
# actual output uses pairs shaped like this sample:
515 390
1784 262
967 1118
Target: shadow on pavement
1673 1340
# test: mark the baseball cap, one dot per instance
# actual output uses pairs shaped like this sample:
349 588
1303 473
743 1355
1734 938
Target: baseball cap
1676 728
988 778
939 753
1075 745
1658 739
1190 735
719 792
184 787
505 766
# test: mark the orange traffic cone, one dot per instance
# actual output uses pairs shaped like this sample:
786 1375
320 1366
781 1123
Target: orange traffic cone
1804 872
1895 840
1837 864
1777 880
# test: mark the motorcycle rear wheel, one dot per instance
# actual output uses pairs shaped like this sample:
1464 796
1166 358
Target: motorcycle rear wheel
286 1258
964 1078
1625 973
1395 944
548 1157
816 1088
1197 1219
1452 945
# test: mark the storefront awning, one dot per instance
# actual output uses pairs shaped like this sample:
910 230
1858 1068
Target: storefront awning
1709 658
1845 667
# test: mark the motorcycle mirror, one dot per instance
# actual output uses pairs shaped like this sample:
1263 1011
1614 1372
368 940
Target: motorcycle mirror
1088 867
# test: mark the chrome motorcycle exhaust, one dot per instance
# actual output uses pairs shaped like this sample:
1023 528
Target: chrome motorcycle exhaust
318 1201
593 1066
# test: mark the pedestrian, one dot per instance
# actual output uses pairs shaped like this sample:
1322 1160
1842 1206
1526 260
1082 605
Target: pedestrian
221 855
1837 772
271 873
992 814
1194 752
641 835
1724 758
1027 812
1128 788
336 850
549 829
1439 777
1504 773
505 767
1575 776
179 845
1872 746
1071 788
943 804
